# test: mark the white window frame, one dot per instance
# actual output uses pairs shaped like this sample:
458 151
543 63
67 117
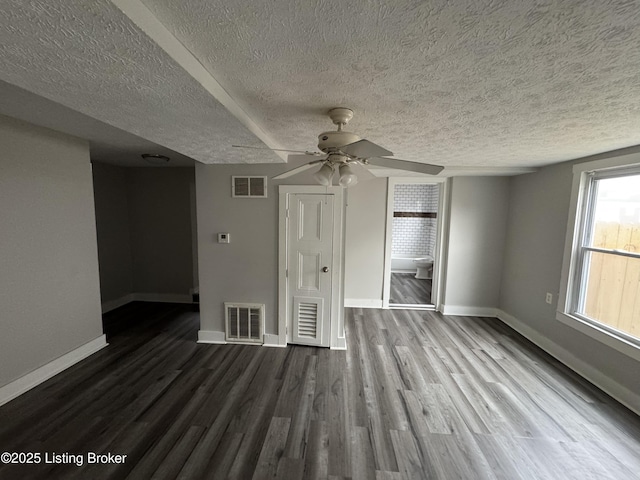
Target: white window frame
572 269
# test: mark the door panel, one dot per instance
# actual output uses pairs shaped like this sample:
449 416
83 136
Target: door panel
310 271
310 245
310 215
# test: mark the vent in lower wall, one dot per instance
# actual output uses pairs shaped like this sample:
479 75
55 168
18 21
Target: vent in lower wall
244 322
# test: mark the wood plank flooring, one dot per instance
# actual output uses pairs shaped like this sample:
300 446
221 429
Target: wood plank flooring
406 289
416 395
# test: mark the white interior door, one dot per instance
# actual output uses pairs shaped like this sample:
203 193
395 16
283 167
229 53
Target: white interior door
309 264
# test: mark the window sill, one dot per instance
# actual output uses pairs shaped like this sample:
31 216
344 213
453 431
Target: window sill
612 340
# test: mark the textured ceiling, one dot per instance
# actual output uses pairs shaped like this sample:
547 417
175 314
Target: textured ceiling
459 83
88 56
466 83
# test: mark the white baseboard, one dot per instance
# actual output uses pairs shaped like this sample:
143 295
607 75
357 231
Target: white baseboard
341 344
464 311
271 340
211 336
621 393
146 297
117 303
362 303
163 297
36 377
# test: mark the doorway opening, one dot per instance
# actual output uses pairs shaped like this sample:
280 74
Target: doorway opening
414 230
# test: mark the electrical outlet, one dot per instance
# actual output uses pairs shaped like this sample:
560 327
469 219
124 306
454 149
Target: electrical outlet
549 298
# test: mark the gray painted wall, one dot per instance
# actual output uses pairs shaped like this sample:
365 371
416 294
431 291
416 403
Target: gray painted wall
160 220
49 281
365 240
539 208
246 269
477 229
113 229
473 263
145 230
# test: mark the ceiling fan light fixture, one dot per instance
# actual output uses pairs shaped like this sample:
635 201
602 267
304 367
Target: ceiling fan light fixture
347 177
324 175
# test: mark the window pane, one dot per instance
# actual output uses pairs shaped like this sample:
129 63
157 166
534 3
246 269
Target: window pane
616 220
613 291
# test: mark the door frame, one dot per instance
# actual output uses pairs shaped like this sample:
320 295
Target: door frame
337 335
439 257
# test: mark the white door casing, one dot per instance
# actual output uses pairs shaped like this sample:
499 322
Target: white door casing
310 245
311 262
439 272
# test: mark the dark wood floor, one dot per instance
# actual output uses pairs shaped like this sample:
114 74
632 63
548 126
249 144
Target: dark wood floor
406 289
417 395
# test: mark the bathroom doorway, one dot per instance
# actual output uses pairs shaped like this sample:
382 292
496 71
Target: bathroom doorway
414 230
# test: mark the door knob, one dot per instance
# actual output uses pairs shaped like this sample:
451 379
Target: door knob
325 269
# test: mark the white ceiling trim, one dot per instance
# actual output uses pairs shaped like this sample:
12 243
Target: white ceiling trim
141 16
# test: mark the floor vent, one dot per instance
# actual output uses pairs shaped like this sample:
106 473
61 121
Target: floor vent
244 322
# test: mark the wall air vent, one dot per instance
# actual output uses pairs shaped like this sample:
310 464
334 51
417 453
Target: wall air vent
249 187
244 322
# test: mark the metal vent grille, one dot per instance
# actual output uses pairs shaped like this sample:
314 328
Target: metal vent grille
244 322
307 320
249 187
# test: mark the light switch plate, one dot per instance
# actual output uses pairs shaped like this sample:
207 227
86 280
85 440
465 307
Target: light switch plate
223 238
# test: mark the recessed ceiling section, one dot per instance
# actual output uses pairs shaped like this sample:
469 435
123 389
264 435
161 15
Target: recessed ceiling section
108 144
88 56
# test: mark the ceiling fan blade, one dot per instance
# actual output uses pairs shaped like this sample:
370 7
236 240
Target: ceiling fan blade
362 172
406 165
295 171
365 149
279 150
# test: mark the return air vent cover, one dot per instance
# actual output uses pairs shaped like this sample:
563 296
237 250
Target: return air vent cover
244 322
307 328
249 187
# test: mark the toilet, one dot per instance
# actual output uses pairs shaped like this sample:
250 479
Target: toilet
425 267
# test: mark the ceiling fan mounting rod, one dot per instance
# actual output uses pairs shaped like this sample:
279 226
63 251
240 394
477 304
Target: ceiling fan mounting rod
340 116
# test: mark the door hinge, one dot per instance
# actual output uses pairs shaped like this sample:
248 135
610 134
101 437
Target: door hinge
286 273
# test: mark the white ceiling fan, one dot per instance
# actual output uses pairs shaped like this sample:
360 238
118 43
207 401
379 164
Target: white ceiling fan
343 151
